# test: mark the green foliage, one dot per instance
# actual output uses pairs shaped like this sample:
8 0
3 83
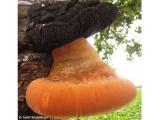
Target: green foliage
129 112
118 33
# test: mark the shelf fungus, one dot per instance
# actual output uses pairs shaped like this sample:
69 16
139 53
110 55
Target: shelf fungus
55 25
79 83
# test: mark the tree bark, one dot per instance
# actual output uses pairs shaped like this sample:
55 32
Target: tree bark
30 65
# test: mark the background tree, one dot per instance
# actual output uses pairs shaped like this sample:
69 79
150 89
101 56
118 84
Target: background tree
117 34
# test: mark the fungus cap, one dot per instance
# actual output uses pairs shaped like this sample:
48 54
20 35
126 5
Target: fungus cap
79 84
54 25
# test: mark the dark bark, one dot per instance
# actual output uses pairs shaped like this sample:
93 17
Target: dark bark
31 65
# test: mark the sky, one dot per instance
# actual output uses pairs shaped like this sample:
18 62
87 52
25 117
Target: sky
131 70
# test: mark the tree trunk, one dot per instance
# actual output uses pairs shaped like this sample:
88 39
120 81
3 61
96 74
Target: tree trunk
30 65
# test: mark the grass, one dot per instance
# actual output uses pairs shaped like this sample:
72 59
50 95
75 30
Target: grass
129 112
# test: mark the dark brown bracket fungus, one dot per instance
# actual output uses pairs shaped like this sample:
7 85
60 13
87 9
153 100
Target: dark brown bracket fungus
54 25
79 83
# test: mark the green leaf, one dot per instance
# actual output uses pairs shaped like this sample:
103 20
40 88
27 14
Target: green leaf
118 32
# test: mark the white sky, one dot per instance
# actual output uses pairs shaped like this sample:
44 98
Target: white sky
131 70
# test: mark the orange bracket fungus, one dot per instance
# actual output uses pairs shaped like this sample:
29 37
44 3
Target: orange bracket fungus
79 84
